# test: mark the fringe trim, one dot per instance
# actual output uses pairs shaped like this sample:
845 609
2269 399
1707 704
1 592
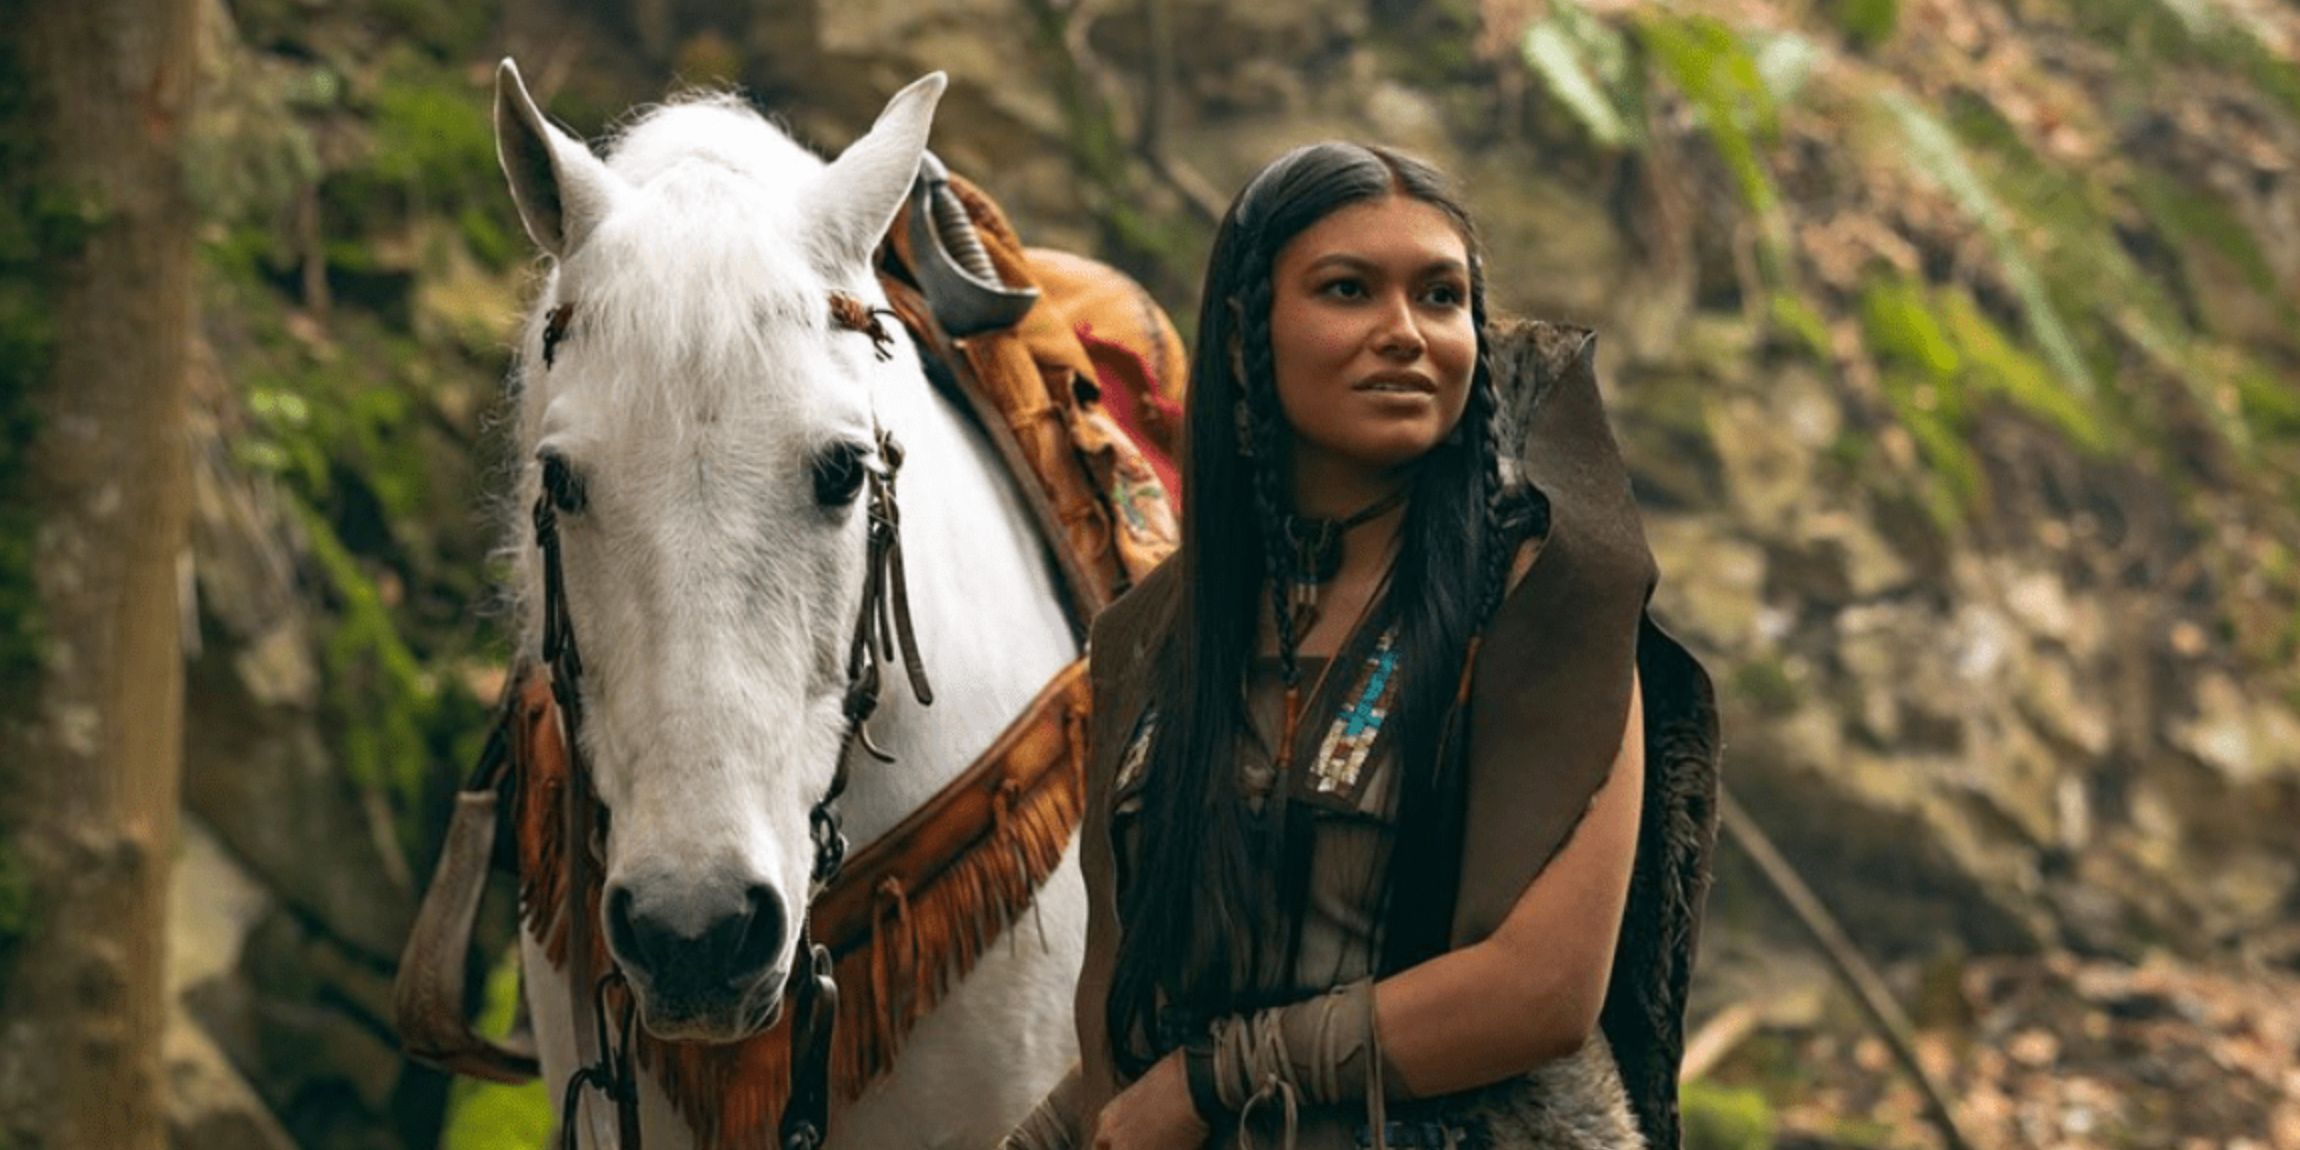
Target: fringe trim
920 942
539 787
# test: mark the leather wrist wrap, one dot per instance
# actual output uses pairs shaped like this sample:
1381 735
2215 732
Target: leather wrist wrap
1321 1051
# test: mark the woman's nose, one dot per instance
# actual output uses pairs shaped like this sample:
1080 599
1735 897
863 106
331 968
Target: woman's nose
1399 336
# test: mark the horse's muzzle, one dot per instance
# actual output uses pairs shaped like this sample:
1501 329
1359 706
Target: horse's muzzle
703 959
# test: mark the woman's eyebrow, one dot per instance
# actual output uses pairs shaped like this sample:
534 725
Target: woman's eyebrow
1360 263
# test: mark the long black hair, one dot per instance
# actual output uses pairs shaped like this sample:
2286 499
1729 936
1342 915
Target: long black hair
1200 931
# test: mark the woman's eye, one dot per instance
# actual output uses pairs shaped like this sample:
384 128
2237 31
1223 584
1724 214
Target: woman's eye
562 484
838 475
1444 295
1344 289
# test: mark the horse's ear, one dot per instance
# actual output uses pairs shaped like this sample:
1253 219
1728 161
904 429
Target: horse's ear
561 189
863 188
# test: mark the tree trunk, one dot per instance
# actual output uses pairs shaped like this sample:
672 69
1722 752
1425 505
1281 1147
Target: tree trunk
90 752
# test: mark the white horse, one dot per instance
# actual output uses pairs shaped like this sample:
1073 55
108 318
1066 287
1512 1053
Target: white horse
695 394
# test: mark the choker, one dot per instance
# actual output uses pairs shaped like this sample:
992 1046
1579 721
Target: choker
1317 543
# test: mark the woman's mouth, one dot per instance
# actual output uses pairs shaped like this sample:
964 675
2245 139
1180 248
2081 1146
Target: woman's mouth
1398 383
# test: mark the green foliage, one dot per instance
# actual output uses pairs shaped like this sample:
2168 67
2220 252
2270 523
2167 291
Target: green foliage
453 29
1865 23
1716 71
1939 353
1765 682
1430 43
1934 152
1994 363
39 227
339 426
364 412
1586 64
1726 1118
2057 231
484 1115
1859 1133
376 687
2269 403
432 155
1920 373
2148 34
1902 330
1711 66
2203 219
253 154
335 422
434 140
1796 319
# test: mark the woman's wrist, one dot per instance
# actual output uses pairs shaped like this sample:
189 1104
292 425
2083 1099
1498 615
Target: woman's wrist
1198 1073
1325 1049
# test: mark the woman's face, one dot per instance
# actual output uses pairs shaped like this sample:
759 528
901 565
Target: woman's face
1371 335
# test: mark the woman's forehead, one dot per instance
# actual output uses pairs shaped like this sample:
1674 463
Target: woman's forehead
1393 232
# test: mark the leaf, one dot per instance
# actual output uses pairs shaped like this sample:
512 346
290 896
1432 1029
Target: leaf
1934 153
1714 69
1994 363
1556 59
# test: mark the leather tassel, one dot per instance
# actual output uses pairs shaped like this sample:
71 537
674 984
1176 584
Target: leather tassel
1290 728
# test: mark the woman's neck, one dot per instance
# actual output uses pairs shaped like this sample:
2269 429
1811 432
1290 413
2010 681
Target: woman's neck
1338 494
1326 487
1331 489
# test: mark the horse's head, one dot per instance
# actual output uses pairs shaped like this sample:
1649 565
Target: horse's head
704 426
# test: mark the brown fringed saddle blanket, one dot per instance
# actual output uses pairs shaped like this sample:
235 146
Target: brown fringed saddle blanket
1082 397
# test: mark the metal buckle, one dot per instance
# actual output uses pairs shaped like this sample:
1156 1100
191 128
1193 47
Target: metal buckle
830 842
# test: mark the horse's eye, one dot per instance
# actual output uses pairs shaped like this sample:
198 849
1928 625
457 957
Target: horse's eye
561 483
838 474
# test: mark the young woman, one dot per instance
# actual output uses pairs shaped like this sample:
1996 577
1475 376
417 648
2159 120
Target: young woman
1398 808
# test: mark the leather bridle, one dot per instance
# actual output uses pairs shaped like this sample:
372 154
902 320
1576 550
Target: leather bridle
882 628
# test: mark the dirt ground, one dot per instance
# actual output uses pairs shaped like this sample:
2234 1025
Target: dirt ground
2046 1053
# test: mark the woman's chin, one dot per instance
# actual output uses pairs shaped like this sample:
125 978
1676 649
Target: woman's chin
1392 449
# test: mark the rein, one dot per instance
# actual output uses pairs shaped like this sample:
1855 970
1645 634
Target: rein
882 631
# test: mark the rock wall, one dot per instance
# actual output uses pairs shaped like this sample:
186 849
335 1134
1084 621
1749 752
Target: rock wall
1953 351
2018 674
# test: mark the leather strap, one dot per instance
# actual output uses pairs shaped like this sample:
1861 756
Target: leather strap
1086 592
428 994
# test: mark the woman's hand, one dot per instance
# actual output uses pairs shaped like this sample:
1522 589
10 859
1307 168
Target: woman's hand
1155 1113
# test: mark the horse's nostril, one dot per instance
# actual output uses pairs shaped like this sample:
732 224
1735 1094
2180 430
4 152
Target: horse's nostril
622 933
764 938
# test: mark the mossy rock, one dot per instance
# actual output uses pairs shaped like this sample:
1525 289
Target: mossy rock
1866 24
1726 1118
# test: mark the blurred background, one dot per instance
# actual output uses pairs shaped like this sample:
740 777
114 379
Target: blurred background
1954 345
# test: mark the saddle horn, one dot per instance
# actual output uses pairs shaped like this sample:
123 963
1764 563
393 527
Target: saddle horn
954 272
